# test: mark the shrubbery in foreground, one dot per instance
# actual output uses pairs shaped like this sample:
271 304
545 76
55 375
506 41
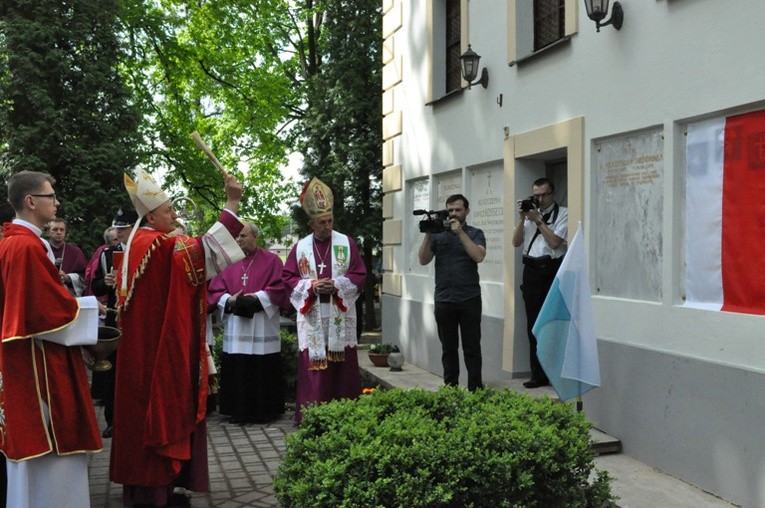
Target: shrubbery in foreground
451 448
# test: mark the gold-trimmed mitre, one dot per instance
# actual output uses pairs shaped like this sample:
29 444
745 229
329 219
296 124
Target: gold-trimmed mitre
316 199
144 192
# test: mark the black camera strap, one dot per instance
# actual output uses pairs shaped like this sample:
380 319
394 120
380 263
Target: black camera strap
545 218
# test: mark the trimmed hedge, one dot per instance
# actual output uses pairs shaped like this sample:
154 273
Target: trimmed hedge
451 448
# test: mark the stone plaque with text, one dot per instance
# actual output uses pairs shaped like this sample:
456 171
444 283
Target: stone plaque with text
627 215
419 199
487 213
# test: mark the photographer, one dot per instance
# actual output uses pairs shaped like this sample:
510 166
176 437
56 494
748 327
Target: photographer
541 229
458 250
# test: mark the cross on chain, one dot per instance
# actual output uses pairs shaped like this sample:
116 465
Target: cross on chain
244 279
321 266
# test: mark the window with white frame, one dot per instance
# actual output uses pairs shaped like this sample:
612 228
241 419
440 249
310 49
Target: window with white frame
453 29
447 41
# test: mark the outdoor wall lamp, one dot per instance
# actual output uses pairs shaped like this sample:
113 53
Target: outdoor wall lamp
597 10
469 60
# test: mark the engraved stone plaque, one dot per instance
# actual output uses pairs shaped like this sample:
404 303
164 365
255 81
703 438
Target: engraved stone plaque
627 215
487 213
419 198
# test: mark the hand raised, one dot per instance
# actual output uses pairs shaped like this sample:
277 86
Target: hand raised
233 188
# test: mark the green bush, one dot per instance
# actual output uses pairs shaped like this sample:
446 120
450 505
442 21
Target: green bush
289 363
217 348
451 448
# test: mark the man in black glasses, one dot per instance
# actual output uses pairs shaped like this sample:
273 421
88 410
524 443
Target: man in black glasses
541 229
47 420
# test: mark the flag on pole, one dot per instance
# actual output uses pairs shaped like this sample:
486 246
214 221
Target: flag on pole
724 210
565 329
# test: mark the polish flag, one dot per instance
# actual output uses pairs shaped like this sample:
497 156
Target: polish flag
725 214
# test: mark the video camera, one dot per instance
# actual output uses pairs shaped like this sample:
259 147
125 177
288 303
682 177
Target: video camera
530 203
436 221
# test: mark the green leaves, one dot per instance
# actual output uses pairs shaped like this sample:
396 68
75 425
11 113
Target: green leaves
450 448
64 108
89 90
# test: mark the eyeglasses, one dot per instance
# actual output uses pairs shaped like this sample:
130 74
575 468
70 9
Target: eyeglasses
52 195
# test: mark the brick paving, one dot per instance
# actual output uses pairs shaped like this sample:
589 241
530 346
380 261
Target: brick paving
243 460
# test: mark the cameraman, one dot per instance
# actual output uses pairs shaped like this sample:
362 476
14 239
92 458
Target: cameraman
542 232
457 250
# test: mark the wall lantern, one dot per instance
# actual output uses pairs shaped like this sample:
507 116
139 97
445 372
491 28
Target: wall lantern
597 10
469 60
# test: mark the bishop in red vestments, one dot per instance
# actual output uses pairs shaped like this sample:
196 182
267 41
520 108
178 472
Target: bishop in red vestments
159 438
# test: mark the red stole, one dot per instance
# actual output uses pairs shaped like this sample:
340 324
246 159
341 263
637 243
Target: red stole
33 301
161 389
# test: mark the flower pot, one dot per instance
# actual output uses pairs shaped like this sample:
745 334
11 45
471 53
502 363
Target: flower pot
396 361
379 359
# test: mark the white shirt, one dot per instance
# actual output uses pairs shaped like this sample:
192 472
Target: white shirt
540 247
38 232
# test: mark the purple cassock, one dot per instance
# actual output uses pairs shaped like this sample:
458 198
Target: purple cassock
70 260
252 384
328 366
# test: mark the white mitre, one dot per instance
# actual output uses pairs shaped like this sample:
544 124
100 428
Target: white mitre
144 192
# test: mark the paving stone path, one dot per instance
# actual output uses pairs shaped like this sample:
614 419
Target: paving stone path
242 458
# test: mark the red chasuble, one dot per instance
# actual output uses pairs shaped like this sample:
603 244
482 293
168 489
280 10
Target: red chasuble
161 386
33 302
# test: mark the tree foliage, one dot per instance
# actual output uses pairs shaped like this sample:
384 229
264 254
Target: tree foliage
64 107
91 89
218 68
341 131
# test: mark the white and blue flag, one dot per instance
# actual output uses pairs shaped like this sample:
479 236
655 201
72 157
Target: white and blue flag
565 329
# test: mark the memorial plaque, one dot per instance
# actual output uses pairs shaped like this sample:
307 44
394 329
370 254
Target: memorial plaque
446 185
627 215
419 199
487 212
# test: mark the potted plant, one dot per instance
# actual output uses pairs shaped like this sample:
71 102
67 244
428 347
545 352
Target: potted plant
378 354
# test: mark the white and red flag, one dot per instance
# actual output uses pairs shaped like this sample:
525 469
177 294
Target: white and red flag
725 214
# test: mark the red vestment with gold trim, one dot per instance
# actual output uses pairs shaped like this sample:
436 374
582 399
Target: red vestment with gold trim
33 301
161 385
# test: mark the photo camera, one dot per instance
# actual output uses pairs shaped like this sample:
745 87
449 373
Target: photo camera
530 203
435 221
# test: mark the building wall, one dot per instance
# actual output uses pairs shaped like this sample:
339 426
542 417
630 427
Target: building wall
681 387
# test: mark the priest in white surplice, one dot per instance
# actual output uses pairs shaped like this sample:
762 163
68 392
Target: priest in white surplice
249 295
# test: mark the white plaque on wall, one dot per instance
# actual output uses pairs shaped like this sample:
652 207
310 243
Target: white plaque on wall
627 216
446 185
419 199
487 213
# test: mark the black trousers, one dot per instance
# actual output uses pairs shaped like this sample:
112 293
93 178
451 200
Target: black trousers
455 320
536 284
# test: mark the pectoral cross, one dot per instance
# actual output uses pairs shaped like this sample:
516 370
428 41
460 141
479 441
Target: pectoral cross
322 266
244 279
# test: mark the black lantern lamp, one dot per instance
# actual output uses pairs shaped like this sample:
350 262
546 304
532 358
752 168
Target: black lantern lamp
597 10
469 60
